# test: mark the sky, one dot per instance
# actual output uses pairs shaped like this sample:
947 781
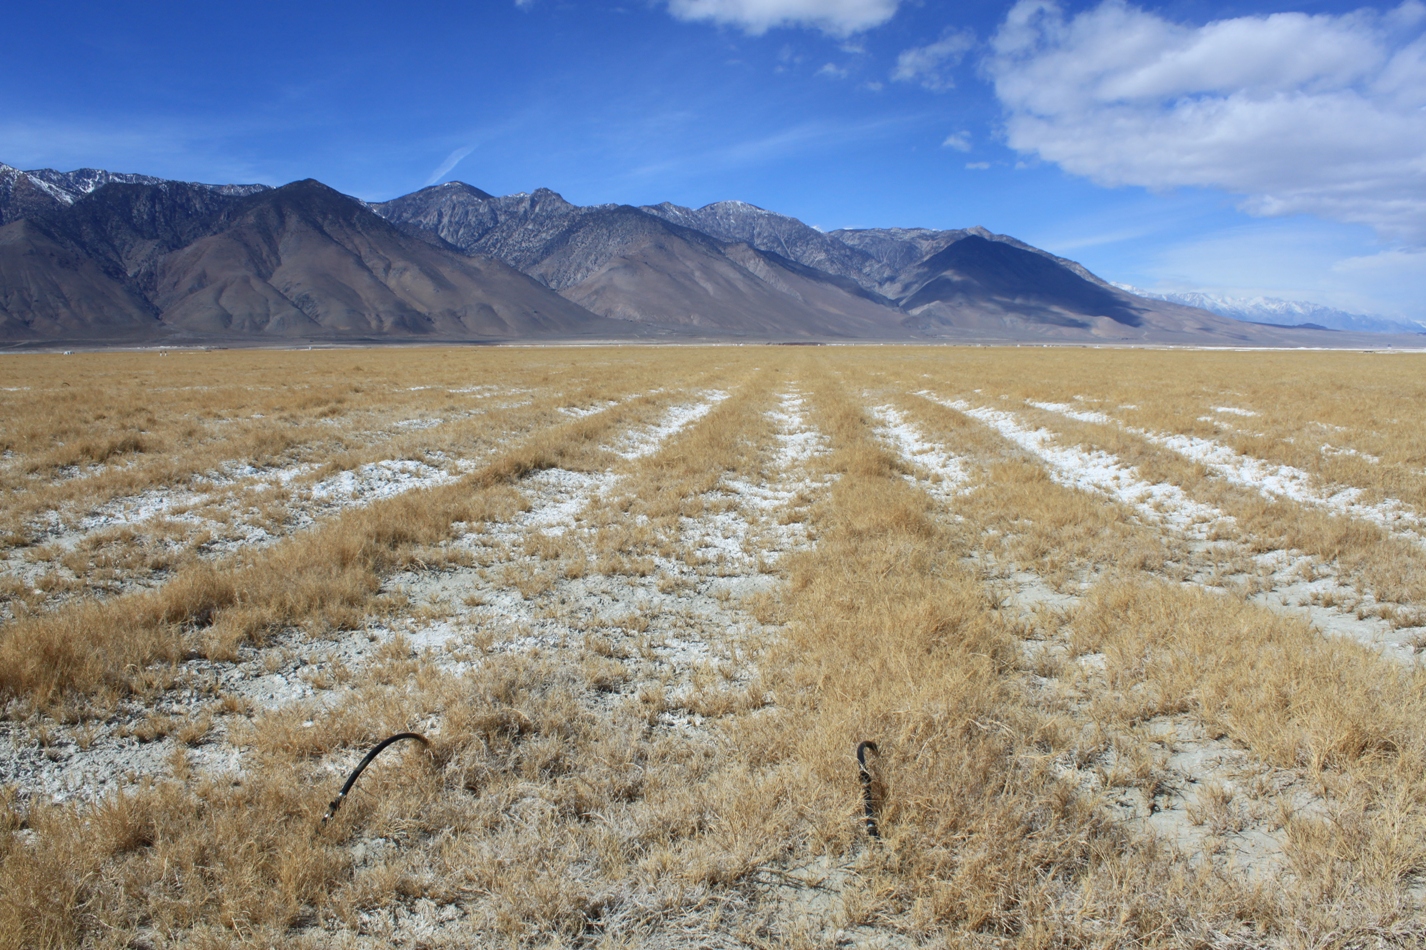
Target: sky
1242 148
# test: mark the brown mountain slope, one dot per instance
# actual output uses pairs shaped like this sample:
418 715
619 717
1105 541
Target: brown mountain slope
302 261
94 256
625 263
738 293
52 290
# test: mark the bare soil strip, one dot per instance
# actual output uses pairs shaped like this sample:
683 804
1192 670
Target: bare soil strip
1166 777
100 543
1161 760
1365 597
199 709
1269 478
1099 471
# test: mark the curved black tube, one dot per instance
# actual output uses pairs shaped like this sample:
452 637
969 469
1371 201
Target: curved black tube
376 750
865 774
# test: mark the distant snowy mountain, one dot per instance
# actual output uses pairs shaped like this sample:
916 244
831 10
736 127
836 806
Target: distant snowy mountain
1279 312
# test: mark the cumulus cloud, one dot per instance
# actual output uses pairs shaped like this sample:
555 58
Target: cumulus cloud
1319 114
930 65
836 17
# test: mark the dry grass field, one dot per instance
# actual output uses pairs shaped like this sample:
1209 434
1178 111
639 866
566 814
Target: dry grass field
1138 636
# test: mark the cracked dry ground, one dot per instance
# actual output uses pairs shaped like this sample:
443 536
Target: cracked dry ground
1137 635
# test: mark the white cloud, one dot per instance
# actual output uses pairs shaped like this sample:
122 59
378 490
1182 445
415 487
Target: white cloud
832 71
837 17
977 166
930 65
1296 113
960 141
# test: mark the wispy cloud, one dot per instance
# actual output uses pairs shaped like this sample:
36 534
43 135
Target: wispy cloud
777 146
930 65
835 17
452 160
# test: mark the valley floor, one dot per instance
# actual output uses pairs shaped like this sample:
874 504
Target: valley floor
1138 636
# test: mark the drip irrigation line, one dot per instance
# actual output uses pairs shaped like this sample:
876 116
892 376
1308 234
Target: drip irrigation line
865 775
356 773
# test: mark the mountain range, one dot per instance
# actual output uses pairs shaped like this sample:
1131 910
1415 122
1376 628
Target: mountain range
1276 311
96 257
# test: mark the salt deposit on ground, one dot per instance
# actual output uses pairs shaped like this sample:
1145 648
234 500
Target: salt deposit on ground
797 442
1331 450
227 508
1081 415
1099 471
1351 612
692 605
947 472
645 441
743 522
375 480
1270 478
557 497
1303 585
1285 481
1187 761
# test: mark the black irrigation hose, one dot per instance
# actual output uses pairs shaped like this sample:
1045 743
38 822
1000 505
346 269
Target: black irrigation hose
865 774
351 779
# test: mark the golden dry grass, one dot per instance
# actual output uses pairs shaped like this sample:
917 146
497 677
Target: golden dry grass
1055 683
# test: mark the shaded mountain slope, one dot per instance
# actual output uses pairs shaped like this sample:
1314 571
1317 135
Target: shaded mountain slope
977 275
52 290
995 289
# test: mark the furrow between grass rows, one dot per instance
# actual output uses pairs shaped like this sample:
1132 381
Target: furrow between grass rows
1274 480
1099 471
545 730
320 576
107 547
295 662
1282 579
1140 672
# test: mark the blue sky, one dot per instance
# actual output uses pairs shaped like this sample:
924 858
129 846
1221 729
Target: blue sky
1242 148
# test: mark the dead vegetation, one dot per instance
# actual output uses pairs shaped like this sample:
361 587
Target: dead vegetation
647 626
